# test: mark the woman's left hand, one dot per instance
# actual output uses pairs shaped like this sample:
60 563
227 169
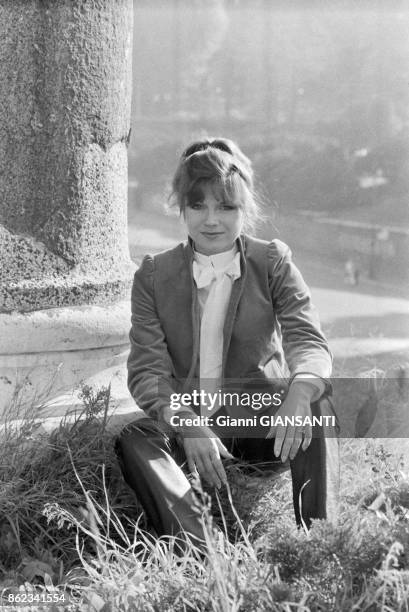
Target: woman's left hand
288 439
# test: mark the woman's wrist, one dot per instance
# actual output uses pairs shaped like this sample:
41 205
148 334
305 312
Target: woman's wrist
316 383
304 388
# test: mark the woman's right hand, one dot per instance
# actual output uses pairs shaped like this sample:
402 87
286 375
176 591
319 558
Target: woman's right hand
203 455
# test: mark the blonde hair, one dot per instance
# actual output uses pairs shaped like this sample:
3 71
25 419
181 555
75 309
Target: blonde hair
219 161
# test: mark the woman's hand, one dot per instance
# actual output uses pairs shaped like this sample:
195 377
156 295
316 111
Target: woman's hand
203 455
288 439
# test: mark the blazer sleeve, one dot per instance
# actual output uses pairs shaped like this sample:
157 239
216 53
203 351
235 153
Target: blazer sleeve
150 369
305 346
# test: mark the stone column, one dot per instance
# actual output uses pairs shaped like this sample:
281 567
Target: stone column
65 271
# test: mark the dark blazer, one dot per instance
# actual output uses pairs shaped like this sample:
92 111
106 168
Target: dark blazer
271 327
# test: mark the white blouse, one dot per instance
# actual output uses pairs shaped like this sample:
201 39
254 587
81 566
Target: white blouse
214 276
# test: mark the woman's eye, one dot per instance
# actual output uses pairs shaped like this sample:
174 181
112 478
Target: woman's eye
227 207
196 205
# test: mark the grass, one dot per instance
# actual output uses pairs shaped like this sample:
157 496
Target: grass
69 525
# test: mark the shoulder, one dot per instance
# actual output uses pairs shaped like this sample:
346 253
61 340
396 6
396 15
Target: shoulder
273 251
150 263
171 257
163 266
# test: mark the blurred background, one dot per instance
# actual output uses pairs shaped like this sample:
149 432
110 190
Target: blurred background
318 98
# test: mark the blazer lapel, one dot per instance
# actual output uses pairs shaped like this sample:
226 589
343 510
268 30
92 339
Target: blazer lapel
195 313
235 296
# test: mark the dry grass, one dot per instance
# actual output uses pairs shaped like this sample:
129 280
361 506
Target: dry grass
69 523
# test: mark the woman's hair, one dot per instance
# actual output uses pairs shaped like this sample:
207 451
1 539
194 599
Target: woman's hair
219 161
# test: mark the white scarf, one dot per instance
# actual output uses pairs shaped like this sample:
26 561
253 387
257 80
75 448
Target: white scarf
214 276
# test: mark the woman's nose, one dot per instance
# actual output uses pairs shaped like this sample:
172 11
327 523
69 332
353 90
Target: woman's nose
212 217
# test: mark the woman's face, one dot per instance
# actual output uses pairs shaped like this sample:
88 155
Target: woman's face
213 224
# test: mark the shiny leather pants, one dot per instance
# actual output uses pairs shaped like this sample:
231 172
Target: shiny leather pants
151 463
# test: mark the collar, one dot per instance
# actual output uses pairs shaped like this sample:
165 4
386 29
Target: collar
241 243
209 268
218 261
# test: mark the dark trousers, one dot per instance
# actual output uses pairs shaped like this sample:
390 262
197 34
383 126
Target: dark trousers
151 463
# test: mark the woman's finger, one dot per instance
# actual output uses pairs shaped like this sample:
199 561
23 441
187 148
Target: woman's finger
191 464
272 432
296 442
222 449
291 443
287 443
200 465
218 466
211 473
307 437
279 440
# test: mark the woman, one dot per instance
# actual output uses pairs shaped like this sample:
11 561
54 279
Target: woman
222 307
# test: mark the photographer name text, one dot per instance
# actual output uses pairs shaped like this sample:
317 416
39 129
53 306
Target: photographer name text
263 420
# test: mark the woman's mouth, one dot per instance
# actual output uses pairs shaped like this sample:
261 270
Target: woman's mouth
212 234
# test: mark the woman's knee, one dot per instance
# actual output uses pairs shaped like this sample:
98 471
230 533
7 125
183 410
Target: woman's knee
140 440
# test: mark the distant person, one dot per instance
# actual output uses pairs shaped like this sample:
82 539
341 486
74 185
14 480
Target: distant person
351 274
223 305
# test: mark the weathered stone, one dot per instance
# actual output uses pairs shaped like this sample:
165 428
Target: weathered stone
65 270
64 125
48 352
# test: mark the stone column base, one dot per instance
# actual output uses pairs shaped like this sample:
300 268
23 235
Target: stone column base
47 356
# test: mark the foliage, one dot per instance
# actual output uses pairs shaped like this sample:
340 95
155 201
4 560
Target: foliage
294 171
318 98
37 475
